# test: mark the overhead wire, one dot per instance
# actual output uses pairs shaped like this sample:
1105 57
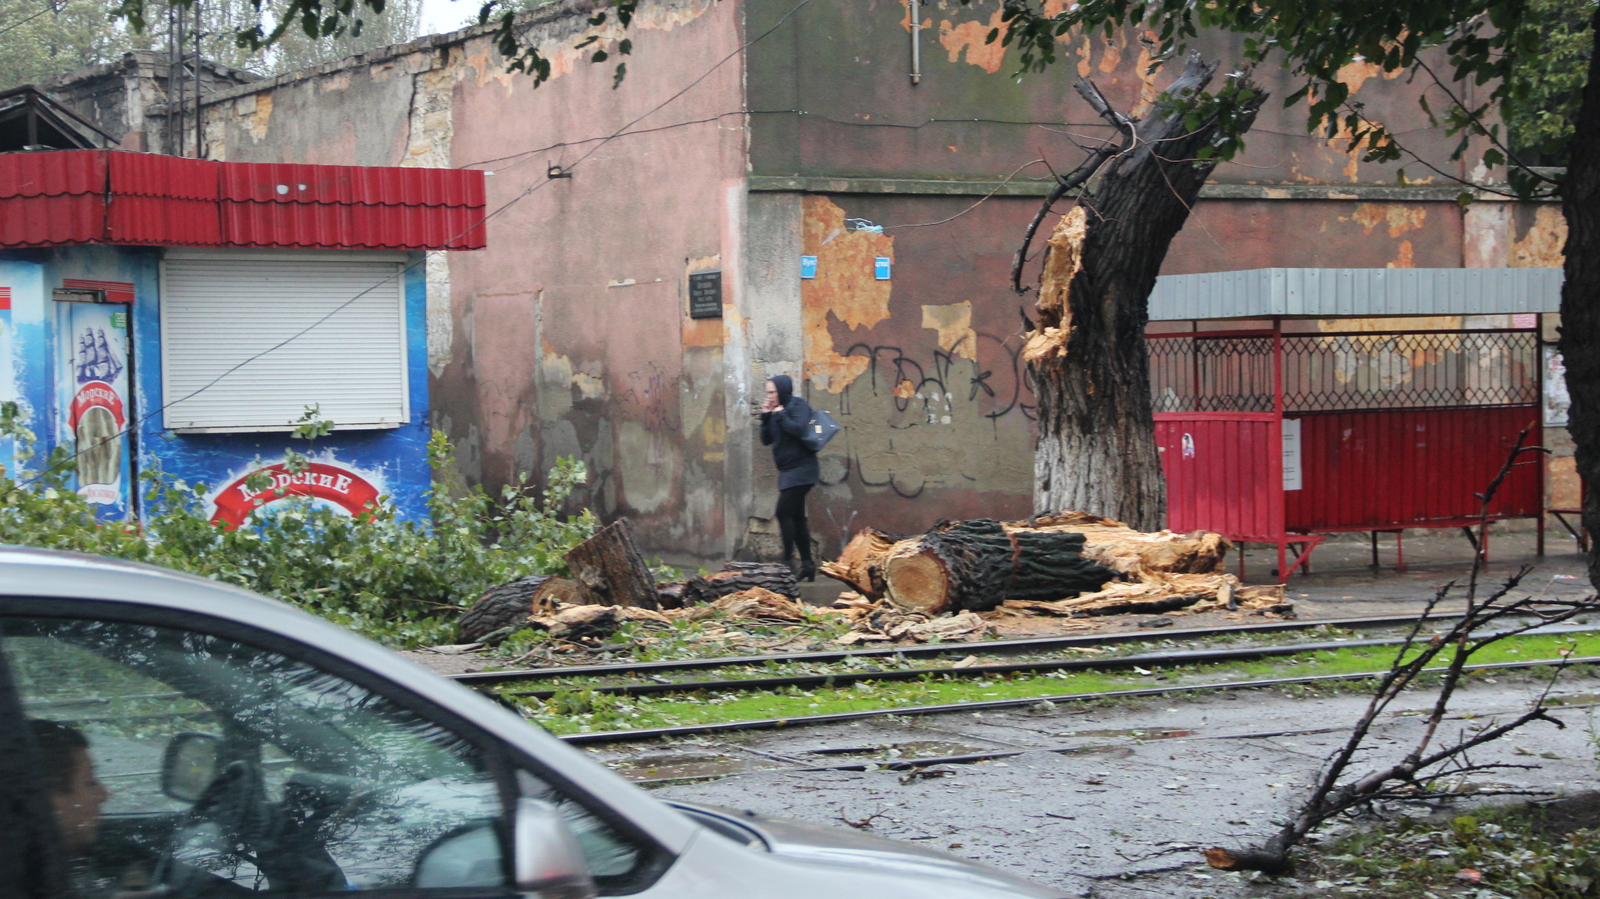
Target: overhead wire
49 7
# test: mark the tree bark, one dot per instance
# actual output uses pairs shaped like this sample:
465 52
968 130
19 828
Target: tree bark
510 604
977 565
1580 294
611 571
1096 449
739 576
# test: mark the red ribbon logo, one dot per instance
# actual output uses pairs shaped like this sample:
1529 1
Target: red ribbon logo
340 486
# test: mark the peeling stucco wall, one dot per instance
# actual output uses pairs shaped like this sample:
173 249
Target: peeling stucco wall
569 336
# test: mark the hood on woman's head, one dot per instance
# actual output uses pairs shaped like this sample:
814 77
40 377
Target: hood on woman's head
785 387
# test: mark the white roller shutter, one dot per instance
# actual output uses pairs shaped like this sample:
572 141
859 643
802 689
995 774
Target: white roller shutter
249 340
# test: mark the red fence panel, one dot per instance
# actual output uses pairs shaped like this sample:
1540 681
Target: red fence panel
1410 468
1224 473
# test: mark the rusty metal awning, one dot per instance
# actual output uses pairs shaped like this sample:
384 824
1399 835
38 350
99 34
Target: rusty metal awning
1355 293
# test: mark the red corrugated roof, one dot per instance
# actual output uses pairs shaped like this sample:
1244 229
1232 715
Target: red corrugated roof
52 198
164 201
63 198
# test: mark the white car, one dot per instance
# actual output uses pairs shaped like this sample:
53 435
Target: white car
243 746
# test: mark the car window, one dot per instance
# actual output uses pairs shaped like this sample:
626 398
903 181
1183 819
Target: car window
215 768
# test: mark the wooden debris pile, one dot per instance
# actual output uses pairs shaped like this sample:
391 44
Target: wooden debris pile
951 584
1068 564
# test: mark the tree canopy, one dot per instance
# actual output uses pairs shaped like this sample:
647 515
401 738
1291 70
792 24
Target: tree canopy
40 39
1529 56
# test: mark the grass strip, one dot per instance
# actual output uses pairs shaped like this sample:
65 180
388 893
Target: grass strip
580 710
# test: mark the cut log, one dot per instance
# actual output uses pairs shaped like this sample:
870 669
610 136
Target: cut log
977 565
510 604
1134 555
860 563
610 570
580 622
737 576
670 596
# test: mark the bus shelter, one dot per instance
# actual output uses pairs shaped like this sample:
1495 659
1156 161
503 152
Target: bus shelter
1294 403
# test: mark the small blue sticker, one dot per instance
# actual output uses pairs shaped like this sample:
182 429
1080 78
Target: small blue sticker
808 267
881 269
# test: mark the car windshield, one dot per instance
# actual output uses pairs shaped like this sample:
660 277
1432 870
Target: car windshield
305 780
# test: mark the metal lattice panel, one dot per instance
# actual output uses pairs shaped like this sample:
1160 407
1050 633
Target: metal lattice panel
1338 372
1211 374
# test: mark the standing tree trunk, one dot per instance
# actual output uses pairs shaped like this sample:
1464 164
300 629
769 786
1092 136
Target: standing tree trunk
1096 449
1580 294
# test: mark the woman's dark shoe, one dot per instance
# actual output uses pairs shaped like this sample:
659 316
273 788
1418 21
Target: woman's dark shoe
807 572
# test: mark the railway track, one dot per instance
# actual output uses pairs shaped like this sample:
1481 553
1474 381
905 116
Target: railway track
987 647
796 721
1164 659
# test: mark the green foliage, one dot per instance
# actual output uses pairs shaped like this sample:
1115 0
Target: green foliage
1546 84
1507 852
399 581
1496 53
40 40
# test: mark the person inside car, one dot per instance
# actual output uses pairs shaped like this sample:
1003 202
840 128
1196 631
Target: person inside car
77 797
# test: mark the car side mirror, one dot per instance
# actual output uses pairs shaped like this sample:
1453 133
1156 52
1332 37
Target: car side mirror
547 861
189 765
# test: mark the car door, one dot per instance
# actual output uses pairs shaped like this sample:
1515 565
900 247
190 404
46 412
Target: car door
222 762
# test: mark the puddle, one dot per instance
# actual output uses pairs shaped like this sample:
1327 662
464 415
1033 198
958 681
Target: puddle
1575 699
914 750
1155 734
673 766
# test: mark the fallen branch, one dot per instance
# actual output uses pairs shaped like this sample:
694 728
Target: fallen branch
1410 777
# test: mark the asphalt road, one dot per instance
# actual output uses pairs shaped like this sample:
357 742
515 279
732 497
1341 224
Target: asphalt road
1119 802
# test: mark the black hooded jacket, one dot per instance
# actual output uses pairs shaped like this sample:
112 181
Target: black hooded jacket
781 430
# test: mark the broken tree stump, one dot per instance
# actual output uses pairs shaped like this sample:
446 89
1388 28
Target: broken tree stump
738 576
977 565
510 604
611 571
859 562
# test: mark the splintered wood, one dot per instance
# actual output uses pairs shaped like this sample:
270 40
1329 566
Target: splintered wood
1063 261
1068 564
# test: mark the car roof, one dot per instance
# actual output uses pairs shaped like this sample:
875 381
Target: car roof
42 573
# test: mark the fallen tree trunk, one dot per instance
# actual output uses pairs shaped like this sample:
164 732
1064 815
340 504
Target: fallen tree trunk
977 565
859 561
1040 564
611 571
510 604
736 577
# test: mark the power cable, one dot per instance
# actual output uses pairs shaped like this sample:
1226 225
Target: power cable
49 7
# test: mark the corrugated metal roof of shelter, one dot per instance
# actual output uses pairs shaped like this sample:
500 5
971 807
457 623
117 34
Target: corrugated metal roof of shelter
1355 293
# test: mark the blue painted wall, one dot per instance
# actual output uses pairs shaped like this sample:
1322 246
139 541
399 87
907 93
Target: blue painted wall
392 461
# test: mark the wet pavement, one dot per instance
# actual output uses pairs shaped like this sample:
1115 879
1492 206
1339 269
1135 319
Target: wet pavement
1344 583
1105 802
1117 801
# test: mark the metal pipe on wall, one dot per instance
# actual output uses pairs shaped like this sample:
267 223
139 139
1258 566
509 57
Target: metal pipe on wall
199 123
916 43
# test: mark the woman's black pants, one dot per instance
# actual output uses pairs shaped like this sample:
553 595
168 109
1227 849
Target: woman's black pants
792 522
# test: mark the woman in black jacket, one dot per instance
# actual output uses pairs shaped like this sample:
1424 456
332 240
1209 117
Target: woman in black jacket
784 418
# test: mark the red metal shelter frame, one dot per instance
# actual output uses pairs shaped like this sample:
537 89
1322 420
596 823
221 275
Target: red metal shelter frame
1362 468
